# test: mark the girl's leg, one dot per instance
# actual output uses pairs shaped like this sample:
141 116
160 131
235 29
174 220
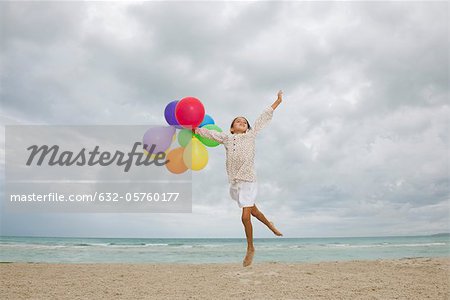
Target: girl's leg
260 216
246 220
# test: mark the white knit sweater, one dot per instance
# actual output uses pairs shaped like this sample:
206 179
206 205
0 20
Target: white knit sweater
240 148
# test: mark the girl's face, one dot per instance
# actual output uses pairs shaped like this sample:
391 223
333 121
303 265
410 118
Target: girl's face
239 125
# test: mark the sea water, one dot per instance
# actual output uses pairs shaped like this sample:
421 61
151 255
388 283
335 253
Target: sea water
217 250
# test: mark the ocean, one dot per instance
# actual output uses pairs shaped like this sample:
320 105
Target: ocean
217 250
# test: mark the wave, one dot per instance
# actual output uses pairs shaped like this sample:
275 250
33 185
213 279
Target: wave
30 246
79 245
126 244
386 245
216 246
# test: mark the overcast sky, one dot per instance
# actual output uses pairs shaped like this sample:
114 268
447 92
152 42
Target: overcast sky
358 147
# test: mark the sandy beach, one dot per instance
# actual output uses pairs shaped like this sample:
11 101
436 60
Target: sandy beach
418 278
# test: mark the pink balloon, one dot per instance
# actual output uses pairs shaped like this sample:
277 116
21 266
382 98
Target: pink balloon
189 112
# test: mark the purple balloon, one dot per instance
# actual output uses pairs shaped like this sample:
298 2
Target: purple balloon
169 114
160 136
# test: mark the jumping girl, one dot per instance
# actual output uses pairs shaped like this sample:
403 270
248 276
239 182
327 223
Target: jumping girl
240 156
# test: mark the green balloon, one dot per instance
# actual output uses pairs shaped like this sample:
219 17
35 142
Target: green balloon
184 137
208 142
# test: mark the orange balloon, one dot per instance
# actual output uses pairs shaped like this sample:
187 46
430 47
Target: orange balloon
175 162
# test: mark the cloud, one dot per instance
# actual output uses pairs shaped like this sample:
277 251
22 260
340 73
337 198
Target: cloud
359 145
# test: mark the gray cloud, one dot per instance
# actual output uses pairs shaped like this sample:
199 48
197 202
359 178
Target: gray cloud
358 147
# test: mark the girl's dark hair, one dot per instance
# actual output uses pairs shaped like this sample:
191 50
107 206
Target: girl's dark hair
248 124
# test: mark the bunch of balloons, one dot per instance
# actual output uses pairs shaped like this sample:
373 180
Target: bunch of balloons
184 115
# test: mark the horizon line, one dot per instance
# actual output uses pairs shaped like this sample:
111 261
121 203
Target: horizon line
304 237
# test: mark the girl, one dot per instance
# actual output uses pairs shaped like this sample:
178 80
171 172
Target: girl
240 155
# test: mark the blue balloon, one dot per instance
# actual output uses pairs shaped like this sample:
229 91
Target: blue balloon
207 120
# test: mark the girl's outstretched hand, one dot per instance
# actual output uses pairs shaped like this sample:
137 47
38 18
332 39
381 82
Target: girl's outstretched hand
279 99
280 95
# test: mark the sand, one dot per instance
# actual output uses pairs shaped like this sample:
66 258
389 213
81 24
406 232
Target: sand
418 278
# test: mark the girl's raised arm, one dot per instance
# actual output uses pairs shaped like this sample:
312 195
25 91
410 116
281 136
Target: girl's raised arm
265 117
279 99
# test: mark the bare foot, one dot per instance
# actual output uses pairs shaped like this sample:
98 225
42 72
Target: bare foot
275 230
248 258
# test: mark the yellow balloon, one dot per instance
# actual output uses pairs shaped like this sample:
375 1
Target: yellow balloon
195 155
174 137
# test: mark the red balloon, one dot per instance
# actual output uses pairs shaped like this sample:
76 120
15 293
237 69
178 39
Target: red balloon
189 112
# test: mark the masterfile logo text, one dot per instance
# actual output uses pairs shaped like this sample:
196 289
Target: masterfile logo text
91 168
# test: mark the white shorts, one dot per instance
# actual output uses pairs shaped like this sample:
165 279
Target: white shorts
244 192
